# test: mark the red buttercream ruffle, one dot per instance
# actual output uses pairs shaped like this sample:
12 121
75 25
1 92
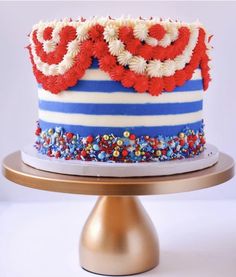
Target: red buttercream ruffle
96 47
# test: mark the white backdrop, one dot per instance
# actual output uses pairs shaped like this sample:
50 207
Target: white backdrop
18 98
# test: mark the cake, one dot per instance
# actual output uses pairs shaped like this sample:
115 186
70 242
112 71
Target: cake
120 90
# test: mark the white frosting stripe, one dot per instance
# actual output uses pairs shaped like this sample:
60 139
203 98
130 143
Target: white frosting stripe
119 120
96 74
119 97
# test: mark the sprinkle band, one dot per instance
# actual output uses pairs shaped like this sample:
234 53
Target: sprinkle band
129 148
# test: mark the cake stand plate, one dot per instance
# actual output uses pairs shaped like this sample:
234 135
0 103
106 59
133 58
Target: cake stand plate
206 159
119 237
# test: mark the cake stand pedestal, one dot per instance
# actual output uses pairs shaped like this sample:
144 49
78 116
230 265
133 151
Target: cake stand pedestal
118 237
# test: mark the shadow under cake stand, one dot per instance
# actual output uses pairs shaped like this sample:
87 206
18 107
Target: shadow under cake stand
118 238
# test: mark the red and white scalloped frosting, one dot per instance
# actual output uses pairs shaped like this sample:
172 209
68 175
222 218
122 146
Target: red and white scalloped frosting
148 55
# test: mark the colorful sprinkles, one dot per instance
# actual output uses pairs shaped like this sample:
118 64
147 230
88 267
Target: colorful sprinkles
58 143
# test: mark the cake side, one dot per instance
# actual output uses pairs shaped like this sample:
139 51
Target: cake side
132 127
149 109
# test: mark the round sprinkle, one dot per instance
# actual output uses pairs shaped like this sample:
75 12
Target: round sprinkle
106 137
50 131
203 140
116 153
119 142
163 152
181 135
89 139
182 142
158 153
124 153
132 137
83 153
102 155
38 131
137 153
126 134
191 144
96 147
69 135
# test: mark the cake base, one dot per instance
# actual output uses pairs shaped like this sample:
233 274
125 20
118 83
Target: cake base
31 157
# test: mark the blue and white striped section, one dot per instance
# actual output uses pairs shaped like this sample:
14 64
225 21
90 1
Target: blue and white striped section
98 105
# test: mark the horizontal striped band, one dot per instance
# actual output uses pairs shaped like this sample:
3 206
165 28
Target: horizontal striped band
112 86
98 74
119 97
121 109
118 131
119 120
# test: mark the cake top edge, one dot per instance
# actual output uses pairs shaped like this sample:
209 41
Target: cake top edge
119 21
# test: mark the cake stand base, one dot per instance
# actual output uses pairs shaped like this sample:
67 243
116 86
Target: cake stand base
206 159
118 238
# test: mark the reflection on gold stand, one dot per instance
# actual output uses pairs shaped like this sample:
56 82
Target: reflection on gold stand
118 237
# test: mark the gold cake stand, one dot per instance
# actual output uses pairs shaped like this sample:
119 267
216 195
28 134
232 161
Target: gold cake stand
118 237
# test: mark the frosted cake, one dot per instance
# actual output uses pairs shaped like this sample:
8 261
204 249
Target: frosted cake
120 90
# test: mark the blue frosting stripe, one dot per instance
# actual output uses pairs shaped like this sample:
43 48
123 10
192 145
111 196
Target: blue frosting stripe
121 109
95 64
118 131
113 86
